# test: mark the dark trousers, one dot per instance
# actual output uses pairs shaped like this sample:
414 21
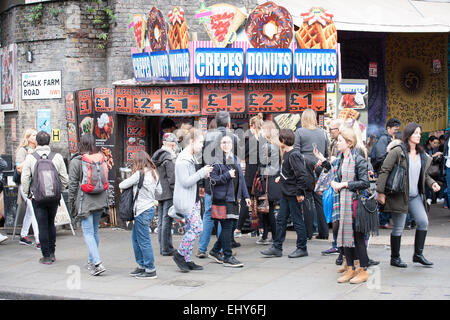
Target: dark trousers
45 216
268 221
293 209
358 252
313 205
243 214
165 227
224 240
384 218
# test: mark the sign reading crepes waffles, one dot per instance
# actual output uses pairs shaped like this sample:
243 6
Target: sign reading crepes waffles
302 96
181 100
223 97
266 97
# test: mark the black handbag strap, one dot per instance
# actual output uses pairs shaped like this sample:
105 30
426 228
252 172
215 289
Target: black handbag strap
139 186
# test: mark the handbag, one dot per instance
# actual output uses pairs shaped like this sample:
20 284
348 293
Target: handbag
434 170
324 181
218 212
254 218
366 215
396 180
126 201
17 176
263 201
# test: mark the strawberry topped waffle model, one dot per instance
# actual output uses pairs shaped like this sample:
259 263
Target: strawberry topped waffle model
156 28
178 33
317 31
270 26
224 21
139 31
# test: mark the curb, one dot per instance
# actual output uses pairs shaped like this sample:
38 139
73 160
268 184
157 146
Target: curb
22 295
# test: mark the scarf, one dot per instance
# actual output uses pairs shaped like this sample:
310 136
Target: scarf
343 201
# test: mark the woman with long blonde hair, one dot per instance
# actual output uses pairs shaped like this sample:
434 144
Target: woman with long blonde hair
307 139
144 211
26 147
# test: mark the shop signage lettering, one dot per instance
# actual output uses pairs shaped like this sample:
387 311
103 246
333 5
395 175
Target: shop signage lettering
181 100
141 66
306 95
315 64
147 100
228 97
269 63
219 63
159 62
266 97
179 65
124 100
352 88
41 85
85 101
104 99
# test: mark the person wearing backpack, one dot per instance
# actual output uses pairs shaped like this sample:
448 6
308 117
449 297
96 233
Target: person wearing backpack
88 196
144 211
44 176
164 159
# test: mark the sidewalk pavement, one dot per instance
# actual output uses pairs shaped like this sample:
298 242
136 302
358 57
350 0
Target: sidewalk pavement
313 277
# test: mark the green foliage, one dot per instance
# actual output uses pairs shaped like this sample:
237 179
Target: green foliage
55 12
36 14
91 10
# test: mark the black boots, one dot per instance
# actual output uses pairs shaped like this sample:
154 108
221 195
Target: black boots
395 252
419 243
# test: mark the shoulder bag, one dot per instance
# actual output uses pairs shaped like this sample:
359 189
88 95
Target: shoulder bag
396 180
366 215
218 212
126 201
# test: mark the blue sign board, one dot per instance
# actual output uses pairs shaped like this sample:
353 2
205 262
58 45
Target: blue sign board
179 65
219 63
352 88
315 64
43 120
266 64
159 61
141 66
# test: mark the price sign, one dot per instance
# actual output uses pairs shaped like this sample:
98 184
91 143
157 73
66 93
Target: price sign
135 127
103 99
307 95
223 97
181 100
131 151
70 108
85 102
266 97
147 100
124 100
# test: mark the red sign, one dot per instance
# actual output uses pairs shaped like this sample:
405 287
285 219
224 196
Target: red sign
71 123
135 127
266 97
85 102
181 100
147 100
104 99
70 108
131 151
124 100
306 95
373 68
223 97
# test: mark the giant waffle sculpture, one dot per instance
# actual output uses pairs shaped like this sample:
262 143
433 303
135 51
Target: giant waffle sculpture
178 32
317 31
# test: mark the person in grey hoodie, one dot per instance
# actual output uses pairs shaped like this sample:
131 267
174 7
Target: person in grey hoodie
87 207
186 199
144 211
164 160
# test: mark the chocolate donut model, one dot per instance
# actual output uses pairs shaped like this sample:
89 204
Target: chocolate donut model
317 31
156 28
178 33
270 26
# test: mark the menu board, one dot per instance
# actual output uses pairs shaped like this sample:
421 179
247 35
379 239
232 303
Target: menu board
181 100
266 97
302 96
135 136
124 100
71 123
85 111
223 97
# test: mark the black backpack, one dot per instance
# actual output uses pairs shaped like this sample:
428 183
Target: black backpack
46 184
126 201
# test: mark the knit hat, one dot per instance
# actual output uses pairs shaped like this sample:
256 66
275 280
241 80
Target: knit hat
170 137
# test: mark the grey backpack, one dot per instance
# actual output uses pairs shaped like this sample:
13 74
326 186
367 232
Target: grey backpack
46 184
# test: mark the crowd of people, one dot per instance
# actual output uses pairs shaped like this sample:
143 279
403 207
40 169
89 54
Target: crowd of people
203 178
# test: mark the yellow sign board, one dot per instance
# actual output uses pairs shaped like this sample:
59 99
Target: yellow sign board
56 135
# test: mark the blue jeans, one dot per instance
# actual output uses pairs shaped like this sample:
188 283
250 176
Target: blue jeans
384 218
90 232
290 208
208 225
140 237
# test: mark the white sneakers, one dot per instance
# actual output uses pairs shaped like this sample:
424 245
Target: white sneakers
3 238
440 200
429 202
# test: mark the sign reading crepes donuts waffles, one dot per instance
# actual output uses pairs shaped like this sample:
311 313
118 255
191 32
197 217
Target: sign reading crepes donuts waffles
223 97
181 100
266 97
219 63
302 96
269 64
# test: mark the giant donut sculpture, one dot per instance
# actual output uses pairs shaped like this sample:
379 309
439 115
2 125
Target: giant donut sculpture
270 26
156 29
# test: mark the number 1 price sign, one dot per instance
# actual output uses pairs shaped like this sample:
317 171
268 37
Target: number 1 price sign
181 100
266 97
223 97
307 95
104 100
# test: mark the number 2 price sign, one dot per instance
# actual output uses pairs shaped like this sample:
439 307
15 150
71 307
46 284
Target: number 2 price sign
307 95
266 97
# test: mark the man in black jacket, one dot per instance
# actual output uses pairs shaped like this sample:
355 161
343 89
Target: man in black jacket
294 179
164 160
3 166
378 154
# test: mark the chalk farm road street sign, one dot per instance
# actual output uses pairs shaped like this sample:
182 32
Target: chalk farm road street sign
41 85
